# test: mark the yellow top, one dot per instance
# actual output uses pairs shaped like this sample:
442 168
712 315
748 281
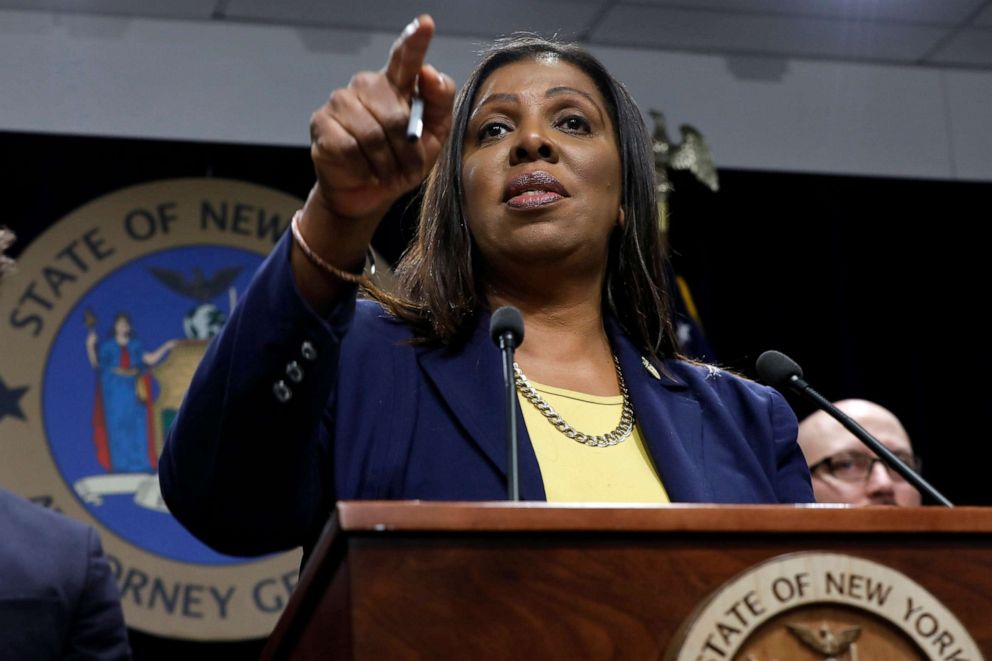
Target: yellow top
574 472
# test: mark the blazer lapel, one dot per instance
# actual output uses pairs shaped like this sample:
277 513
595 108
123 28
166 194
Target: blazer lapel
669 419
470 380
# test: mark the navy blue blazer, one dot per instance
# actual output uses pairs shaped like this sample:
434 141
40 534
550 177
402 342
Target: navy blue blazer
58 599
289 412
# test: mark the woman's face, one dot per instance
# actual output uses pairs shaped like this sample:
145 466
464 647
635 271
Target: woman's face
122 327
541 167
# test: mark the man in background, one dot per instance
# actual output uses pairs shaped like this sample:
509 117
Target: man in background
58 599
844 470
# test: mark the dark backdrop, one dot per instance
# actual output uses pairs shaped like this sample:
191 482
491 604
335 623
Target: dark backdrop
870 284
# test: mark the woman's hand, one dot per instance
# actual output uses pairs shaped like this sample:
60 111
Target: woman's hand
363 160
359 147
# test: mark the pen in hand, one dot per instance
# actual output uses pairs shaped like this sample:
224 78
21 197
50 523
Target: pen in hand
415 127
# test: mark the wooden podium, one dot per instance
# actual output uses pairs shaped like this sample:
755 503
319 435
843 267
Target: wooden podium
533 581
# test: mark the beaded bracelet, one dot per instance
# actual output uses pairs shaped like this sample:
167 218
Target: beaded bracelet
357 278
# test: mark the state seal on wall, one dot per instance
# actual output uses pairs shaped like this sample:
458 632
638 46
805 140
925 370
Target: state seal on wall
104 323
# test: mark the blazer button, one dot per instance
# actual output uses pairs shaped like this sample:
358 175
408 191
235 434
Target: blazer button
294 371
282 391
308 351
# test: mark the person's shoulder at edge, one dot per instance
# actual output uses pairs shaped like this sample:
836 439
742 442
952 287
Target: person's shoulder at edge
52 561
696 374
26 522
741 396
761 412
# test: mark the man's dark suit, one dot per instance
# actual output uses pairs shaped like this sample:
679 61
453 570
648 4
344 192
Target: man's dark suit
58 599
290 412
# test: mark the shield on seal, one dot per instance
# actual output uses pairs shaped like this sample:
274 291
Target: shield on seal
173 375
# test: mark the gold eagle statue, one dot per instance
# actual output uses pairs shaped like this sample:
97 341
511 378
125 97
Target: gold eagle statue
691 154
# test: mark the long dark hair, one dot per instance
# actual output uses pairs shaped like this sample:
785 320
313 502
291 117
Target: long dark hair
439 292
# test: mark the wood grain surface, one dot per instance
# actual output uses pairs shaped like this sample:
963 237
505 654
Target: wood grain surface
498 581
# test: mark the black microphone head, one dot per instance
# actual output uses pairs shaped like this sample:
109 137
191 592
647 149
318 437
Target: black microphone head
507 319
777 369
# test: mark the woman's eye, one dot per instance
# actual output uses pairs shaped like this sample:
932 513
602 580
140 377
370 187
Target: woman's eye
574 124
493 130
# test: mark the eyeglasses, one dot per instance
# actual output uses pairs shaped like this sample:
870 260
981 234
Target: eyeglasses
856 467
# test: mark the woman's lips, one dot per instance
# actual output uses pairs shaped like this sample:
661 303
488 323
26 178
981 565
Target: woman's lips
533 189
535 198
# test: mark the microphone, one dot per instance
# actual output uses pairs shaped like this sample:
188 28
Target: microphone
778 370
506 328
507 324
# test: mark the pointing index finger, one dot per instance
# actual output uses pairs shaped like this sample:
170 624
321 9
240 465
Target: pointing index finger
406 57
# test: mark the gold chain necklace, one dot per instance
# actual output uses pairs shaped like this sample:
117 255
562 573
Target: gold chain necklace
618 435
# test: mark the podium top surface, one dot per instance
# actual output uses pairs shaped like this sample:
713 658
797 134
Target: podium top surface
405 563
500 517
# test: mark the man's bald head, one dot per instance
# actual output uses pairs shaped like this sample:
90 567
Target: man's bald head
821 437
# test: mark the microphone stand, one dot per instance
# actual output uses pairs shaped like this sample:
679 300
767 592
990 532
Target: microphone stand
506 346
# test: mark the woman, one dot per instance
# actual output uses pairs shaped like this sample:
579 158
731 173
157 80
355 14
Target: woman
123 418
544 199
